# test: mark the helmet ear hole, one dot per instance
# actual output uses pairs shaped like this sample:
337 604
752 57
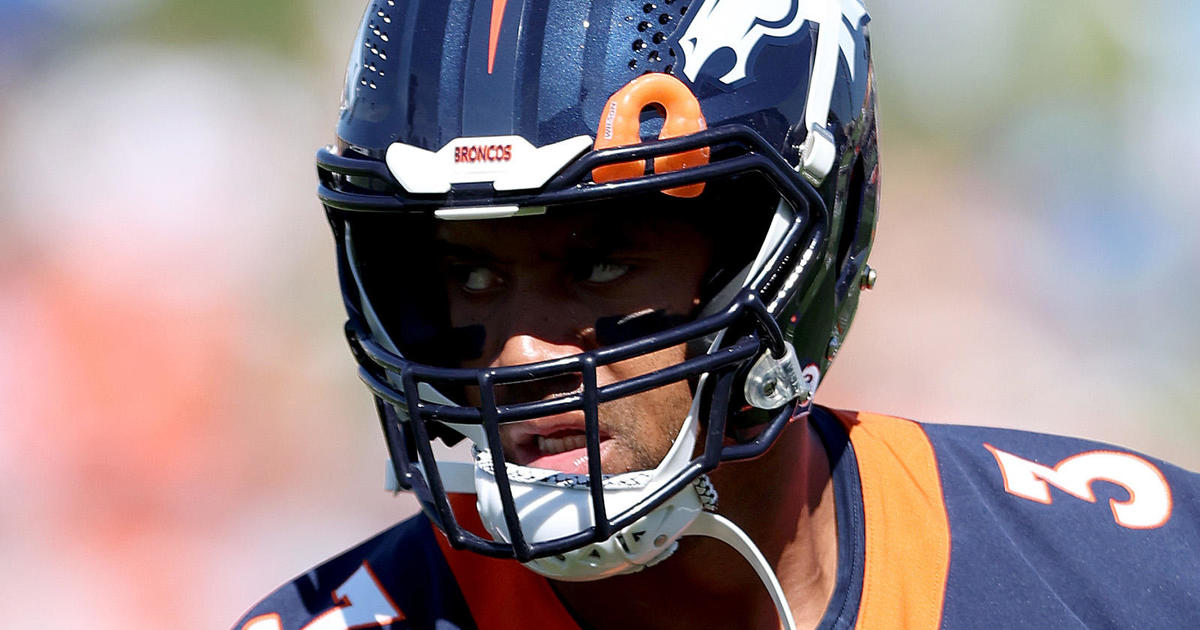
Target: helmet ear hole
853 213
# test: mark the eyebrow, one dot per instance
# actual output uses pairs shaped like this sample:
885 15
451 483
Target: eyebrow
444 248
593 238
604 238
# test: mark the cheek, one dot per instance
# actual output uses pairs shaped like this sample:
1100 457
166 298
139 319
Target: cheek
646 364
649 422
669 408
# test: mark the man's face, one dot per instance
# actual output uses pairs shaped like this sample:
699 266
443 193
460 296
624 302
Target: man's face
544 287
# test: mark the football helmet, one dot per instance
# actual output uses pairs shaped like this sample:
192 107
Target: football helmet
760 111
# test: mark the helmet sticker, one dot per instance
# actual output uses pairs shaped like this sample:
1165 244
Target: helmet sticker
746 27
509 162
851 38
743 26
494 32
739 25
811 376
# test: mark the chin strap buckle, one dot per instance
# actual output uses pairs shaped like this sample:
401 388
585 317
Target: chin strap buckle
772 383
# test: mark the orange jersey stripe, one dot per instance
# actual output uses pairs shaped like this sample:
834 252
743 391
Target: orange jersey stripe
907 530
501 594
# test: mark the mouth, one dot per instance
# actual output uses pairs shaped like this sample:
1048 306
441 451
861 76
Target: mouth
555 443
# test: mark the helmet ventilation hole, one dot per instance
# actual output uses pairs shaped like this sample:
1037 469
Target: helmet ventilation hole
652 50
375 41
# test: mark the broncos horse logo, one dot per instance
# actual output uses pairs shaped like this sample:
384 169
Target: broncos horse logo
741 25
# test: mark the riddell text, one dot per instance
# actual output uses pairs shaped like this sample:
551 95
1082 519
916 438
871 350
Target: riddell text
484 153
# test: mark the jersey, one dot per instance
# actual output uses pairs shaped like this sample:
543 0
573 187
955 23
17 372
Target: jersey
939 526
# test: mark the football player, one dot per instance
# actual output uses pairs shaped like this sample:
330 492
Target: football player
610 249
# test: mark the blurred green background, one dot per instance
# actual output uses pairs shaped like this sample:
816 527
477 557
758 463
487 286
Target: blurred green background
181 429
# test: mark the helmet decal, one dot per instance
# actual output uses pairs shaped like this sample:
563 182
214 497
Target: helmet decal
739 25
494 33
743 26
509 162
748 27
811 376
850 40
620 126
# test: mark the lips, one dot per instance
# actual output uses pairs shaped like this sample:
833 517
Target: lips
554 443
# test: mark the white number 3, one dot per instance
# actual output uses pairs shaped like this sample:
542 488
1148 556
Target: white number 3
1149 503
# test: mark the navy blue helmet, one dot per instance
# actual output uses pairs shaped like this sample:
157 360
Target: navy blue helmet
757 117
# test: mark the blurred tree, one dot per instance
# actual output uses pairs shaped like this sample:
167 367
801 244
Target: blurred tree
283 27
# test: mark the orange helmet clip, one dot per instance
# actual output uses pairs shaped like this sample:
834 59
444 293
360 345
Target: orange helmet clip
620 126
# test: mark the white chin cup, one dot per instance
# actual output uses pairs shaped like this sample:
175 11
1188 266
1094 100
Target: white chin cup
646 542
552 505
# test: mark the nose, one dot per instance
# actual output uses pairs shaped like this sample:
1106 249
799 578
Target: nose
536 323
533 330
521 348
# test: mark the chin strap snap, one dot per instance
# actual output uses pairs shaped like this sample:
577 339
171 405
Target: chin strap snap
773 382
721 528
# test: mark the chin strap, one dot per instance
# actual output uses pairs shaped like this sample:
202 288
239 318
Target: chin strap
721 528
459 476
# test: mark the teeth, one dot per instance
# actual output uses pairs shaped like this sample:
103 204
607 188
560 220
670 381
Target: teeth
552 446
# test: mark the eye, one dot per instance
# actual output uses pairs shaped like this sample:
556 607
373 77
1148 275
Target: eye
476 279
606 271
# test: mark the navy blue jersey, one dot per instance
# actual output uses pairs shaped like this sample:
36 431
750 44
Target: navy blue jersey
939 527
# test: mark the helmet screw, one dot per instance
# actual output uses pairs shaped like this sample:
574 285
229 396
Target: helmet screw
867 281
768 388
